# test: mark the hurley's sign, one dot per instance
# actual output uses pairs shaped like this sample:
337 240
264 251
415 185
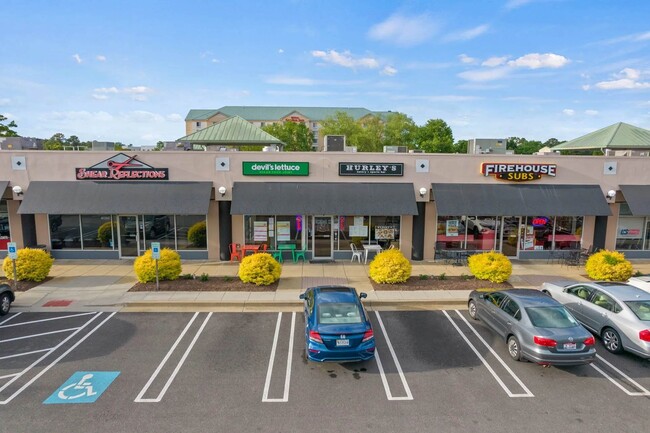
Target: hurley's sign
517 172
122 167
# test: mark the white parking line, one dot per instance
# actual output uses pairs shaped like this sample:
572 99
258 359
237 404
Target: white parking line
10 318
269 371
24 337
644 392
7 376
53 363
389 395
25 353
42 320
162 392
496 377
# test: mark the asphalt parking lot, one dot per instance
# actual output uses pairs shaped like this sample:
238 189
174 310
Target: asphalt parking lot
242 372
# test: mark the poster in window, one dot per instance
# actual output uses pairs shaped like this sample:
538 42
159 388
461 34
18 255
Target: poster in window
630 228
284 231
260 231
452 228
359 231
384 233
358 220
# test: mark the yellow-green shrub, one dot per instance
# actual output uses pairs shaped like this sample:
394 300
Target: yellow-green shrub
31 265
491 266
260 269
105 233
196 235
390 267
608 266
169 266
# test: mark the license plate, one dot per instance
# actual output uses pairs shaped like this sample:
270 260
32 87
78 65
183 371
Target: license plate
345 342
569 345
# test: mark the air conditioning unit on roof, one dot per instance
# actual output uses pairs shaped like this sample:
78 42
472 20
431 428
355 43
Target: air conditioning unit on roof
334 143
395 149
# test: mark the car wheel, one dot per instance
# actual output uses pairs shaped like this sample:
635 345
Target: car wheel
5 303
612 340
514 349
471 306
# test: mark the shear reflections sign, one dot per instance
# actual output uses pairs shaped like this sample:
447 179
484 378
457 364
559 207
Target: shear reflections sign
122 167
516 172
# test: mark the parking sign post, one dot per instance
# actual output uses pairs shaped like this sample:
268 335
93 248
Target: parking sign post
11 250
155 254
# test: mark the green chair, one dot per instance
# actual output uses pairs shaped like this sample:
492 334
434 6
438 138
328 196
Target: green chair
300 254
277 255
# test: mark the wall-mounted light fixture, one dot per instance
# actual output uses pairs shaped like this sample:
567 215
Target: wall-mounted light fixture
222 190
611 194
423 191
17 189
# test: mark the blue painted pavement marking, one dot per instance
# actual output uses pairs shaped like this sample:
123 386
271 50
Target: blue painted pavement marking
83 387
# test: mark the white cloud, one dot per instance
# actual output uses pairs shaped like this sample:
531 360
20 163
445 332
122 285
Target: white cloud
346 59
304 81
101 58
389 70
591 112
628 78
138 93
495 61
77 58
569 112
537 61
99 96
485 74
280 51
137 90
174 117
106 90
404 30
586 87
464 58
468 34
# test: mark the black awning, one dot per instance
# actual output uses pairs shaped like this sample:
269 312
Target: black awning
3 186
323 198
517 199
637 198
87 197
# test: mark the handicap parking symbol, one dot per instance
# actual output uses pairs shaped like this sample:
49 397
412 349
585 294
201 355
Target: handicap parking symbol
83 387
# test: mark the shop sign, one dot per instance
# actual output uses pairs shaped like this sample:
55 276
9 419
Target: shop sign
275 168
517 172
122 167
371 169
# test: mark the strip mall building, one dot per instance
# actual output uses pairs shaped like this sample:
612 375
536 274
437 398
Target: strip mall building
113 205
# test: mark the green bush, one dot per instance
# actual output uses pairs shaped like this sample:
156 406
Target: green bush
105 233
196 235
390 267
32 264
491 266
260 269
608 266
169 266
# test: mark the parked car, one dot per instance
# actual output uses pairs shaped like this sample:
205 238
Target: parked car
642 282
6 298
534 326
337 327
618 312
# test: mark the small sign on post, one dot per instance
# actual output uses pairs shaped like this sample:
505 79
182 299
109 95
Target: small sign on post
155 254
13 255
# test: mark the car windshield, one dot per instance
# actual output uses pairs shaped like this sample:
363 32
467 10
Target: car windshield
551 317
640 308
335 312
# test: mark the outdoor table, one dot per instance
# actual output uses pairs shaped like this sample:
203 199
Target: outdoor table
366 248
288 247
457 256
253 248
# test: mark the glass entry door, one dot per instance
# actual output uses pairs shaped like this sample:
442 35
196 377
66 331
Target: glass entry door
509 236
322 237
128 234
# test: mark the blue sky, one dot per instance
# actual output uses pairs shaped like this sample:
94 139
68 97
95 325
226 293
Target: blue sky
130 71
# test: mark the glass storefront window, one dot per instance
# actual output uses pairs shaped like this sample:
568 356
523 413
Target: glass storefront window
629 233
5 234
191 233
538 234
481 232
451 232
160 228
274 230
65 232
385 230
568 232
98 232
352 229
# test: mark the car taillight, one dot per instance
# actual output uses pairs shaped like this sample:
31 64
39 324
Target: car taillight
546 342
368 335
645 335
590 341
315 337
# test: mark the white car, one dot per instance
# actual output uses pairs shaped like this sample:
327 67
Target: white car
642 282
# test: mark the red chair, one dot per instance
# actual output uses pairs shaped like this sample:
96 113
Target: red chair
234 252
264 247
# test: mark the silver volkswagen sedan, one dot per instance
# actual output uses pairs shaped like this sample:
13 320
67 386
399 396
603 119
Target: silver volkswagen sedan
618 312
535 326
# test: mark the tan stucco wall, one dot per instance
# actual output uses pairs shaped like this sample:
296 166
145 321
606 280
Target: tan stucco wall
213 230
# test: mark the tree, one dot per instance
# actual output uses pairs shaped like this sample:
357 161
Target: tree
56 142
528 147
159 146
461 146
342 123
6 130
371 136
436 137
73 141
400 130
295 135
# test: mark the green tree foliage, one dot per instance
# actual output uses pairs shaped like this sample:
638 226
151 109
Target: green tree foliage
436 137
296 136
159 146
400 130
56 142
461 146
342 124
7 130
371 136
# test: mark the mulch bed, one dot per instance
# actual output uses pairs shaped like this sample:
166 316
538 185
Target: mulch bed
435 283
213 284
23 286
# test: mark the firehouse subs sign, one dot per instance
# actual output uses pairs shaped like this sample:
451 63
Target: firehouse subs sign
371 169
122 167
516 172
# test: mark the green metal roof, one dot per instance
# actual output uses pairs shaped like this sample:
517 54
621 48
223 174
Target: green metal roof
618 136
257 113
232 131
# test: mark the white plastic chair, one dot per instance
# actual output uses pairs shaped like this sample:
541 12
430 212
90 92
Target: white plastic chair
355 253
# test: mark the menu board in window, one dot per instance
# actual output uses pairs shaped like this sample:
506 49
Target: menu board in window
284 231
452 228
260 231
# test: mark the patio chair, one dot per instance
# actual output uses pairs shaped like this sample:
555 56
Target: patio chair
234 252
300 254
355 253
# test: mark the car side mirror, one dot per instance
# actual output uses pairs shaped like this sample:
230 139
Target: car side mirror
301 296
363 295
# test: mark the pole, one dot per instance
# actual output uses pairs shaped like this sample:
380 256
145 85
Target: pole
157 287
15 277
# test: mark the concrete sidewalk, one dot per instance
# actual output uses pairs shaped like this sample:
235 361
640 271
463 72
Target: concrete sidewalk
102 285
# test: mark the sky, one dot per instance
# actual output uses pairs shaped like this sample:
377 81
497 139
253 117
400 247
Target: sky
130 71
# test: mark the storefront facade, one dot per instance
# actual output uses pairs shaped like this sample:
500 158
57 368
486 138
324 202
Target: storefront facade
113 205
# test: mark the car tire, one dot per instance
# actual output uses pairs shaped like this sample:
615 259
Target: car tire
612 340
514 348
471 307
5 303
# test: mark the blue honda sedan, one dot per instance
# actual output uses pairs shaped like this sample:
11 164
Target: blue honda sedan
336 325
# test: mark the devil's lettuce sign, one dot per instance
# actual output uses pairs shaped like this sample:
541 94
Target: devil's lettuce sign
121 167
275 168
